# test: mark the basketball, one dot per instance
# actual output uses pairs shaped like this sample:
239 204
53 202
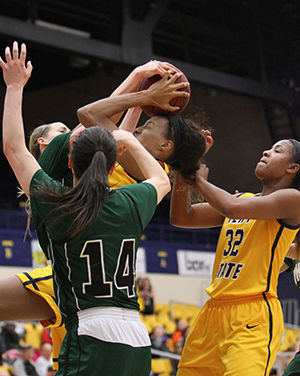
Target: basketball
181 102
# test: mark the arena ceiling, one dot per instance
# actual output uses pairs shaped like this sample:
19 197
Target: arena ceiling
248 46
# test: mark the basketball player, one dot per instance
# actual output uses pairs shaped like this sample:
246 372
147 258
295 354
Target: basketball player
53 160
239 330
93 232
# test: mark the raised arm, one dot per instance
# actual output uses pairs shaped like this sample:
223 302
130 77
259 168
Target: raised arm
16 73
187 215
281 204
88 115
131 119
159 94
152 171
92 114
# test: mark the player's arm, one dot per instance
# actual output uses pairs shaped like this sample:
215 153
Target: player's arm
91 114
187 215
158 94
152 171
282 204
131 119
16 73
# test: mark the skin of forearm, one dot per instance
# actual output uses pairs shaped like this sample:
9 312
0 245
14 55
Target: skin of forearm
13 133
131 119
219 199
129 85
93 113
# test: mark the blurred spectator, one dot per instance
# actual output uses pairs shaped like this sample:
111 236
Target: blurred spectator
177 350
45 360
146 292
24 365
33 334
10 339
180 332
46 336
159 338
50 372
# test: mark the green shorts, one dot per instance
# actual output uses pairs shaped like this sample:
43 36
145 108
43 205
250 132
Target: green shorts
293 368
106 344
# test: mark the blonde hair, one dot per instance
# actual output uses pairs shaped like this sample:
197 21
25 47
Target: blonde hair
38 132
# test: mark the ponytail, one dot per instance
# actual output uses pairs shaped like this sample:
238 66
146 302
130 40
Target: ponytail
93 154
189 146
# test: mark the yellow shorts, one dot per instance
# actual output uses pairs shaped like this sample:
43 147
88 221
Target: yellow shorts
233 338
40 282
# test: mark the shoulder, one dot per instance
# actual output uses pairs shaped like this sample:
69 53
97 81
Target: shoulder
138 189
41 177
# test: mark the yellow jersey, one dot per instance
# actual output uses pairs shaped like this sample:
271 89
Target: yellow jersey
249 256
120 177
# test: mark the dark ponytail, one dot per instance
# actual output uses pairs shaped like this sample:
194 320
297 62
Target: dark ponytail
189 146
93 154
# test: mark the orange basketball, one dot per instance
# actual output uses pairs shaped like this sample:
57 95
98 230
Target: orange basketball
181 102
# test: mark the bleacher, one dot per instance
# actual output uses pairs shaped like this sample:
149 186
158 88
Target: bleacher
158 230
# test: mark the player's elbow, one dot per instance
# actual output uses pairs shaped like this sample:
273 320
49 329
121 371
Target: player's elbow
85 116
230 210
179 219
175 220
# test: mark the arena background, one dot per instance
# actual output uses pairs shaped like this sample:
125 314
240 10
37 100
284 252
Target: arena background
242 60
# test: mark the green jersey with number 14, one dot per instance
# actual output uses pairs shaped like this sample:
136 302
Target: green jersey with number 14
97 268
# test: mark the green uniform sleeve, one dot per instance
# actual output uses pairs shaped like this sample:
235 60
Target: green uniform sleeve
144 196
290 263
54 159
36 204
40 210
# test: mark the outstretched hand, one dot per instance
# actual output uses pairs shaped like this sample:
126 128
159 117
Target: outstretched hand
16 71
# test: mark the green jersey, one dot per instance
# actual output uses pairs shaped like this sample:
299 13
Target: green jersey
54 161
97 268
294 267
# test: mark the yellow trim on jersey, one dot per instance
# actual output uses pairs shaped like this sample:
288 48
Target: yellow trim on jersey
57 335
40 282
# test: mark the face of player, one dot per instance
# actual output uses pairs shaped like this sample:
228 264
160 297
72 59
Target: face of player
274 162
54 130
152 135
